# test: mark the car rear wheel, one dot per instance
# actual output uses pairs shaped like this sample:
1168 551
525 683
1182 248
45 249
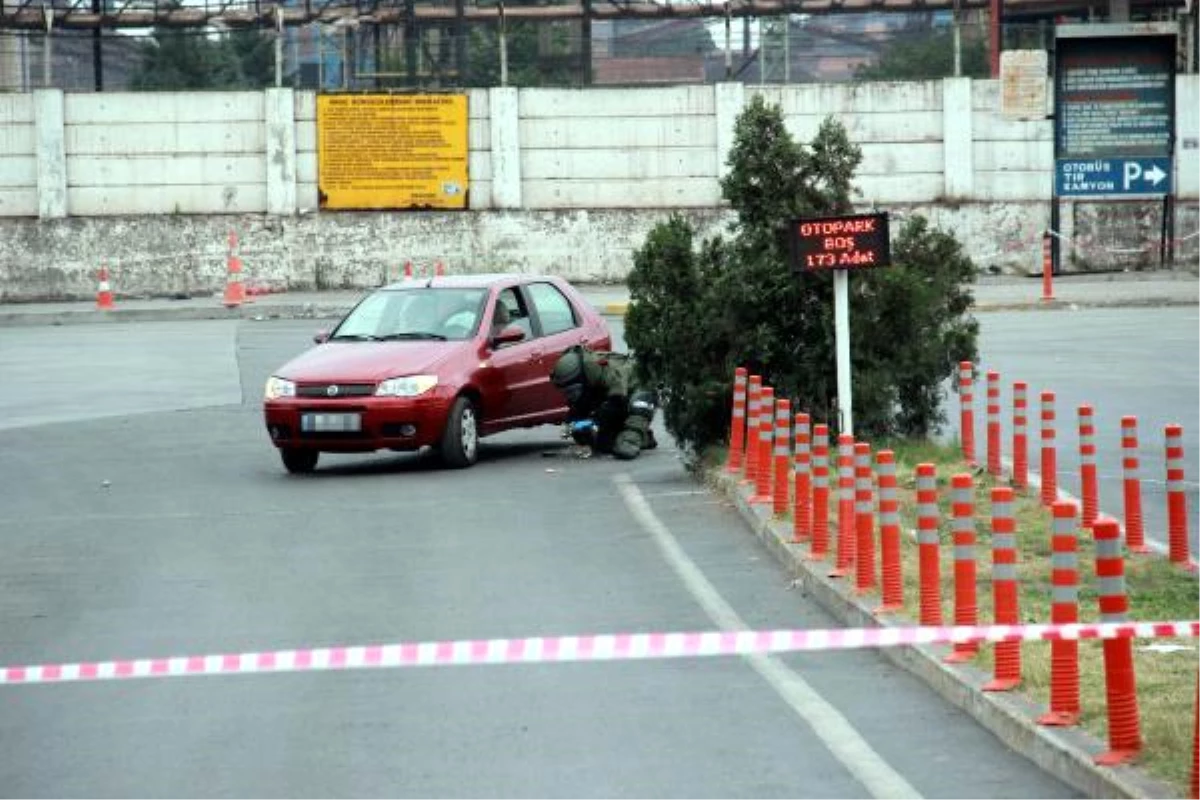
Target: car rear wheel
299 461
459 446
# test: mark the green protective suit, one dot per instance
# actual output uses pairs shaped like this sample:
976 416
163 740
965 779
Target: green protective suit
599 387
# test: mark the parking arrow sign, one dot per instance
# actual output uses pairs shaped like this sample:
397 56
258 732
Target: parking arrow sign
1112 177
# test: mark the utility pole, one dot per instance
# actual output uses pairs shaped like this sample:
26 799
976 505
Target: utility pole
97 53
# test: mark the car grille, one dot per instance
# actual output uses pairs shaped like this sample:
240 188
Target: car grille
339 390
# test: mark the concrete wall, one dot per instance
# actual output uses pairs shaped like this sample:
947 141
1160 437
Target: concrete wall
561 180
18 157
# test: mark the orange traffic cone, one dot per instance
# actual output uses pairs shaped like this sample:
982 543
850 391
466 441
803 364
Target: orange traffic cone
235 292
408 271
104 298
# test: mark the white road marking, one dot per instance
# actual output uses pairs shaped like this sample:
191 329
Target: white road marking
826 722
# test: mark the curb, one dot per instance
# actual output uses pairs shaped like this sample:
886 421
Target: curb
17 318
184 314
1064 753
309 310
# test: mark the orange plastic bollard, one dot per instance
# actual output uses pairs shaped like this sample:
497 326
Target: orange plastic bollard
1049 455
864 519
1064 610
104 297
993 424
766 430
754 402
1177 522
802 471
1020 442
438 269
820 494
783 435
1005 596
1047 268
737 424
1120 682
235 293
962 519
408 270
929 570
845 512
966 399
1087 465
889 533
1195 782
1135 534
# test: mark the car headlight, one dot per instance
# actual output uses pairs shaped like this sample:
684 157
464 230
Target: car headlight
279 387
409 386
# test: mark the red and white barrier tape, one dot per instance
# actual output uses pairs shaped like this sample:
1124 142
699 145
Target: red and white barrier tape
602 647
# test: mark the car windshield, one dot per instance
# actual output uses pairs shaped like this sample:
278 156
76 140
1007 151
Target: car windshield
417 313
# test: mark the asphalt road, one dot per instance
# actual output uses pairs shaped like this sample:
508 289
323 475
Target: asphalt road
1140 362
144 513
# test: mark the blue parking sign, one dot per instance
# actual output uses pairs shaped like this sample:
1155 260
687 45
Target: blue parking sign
1128 176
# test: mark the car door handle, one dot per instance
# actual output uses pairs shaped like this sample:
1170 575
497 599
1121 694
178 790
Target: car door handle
535 355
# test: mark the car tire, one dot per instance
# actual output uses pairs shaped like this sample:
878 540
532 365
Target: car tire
459 446
299 462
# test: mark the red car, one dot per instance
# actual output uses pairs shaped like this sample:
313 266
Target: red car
438 362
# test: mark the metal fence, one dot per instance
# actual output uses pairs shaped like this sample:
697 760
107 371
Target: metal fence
356 56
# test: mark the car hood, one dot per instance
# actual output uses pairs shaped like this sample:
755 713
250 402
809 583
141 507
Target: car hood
367 362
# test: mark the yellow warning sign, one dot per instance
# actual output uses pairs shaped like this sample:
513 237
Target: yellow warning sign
379 151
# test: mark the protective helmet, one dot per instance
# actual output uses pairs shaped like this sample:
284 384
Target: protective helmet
568 374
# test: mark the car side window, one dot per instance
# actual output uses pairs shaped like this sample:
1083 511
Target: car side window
554 310
518 314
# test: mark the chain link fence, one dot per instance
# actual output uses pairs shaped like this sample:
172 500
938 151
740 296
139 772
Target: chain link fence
350 55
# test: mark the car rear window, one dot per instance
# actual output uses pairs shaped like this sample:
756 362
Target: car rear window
554 311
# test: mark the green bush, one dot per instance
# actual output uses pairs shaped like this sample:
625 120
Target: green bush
700 310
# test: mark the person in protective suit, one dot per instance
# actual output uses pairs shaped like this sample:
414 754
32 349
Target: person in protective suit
599 391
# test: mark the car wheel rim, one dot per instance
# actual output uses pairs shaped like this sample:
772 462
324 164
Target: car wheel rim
470 437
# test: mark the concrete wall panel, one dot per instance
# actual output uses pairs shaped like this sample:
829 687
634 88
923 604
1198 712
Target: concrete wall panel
1019 156
648 132
579 103
904 188
678 192
306 106
605 163
306 136
306 167
18 172
855 98
995 187
890 159
919 126
166 138
232 198
123 171
124 108
19 139
1187 138
16 109
19 202
992 127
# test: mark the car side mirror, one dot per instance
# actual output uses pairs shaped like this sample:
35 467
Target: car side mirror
509 334
321 337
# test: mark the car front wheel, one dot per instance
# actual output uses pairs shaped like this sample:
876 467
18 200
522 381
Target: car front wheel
459 446
299 461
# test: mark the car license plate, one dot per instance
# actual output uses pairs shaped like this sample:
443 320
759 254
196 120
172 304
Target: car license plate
330 423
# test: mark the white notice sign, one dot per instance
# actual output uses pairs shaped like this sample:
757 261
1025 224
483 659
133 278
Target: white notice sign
1023 75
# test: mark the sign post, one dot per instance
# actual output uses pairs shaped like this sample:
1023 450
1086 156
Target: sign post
840 244
1114 120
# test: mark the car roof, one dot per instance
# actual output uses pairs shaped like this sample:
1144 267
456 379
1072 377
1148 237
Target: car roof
476 281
